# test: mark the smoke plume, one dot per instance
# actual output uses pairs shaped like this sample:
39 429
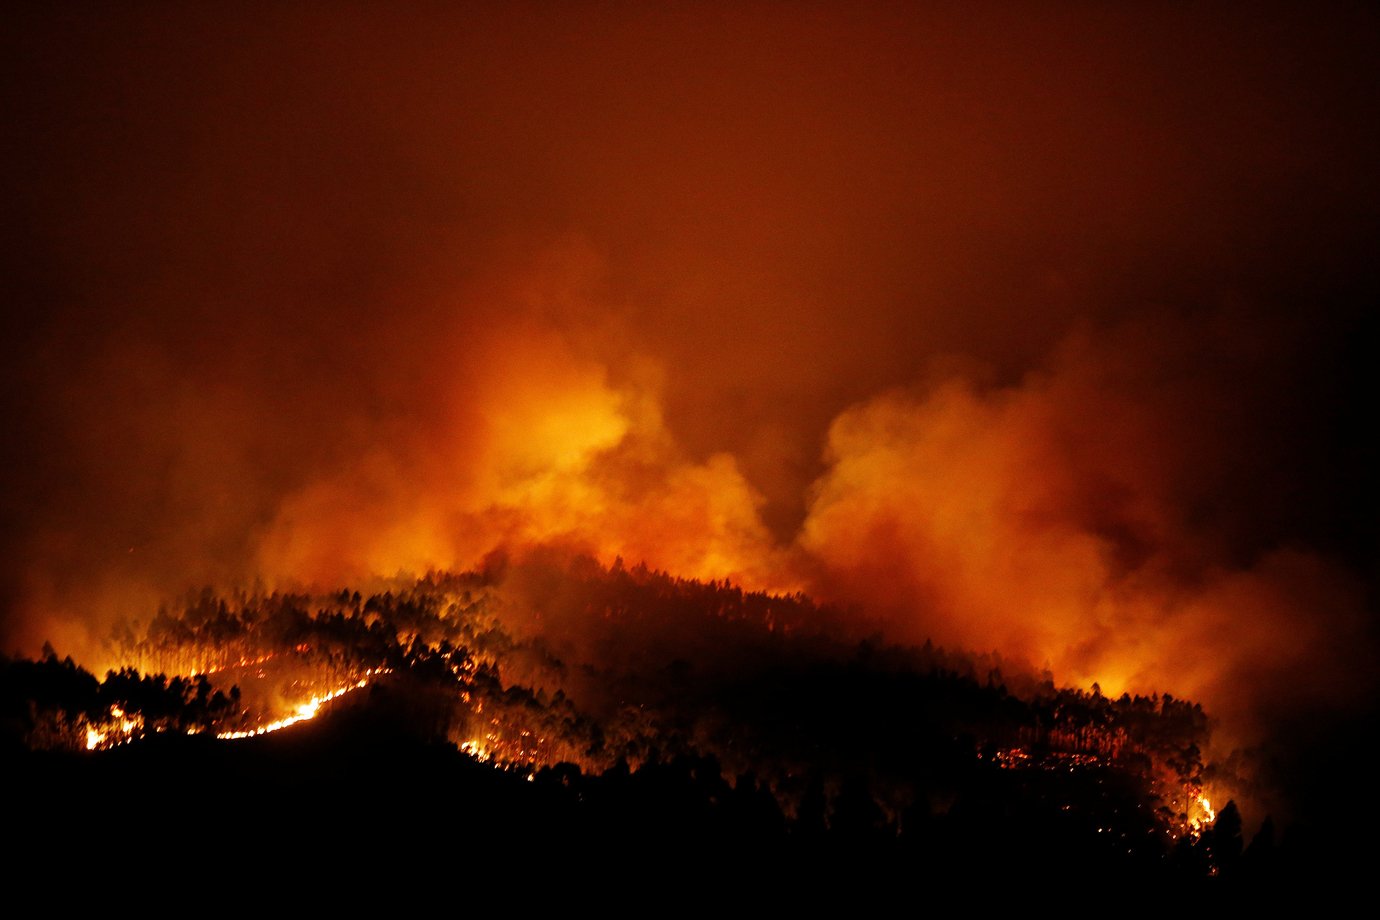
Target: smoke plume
1036 331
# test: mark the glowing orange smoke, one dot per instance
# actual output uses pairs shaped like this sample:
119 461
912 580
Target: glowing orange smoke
1041 519
1045 520
453 295
536 447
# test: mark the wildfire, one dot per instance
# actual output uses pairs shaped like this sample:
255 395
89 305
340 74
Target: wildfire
305 711
245 662
478 749
506 746
121 726
1206 814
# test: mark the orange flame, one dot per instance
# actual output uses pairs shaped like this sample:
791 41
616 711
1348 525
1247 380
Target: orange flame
304 711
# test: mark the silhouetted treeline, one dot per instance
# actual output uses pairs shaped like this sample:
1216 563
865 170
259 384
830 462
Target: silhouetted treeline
56 704
359 798
660 705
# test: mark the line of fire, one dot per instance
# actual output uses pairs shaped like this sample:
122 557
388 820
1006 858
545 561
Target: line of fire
836 739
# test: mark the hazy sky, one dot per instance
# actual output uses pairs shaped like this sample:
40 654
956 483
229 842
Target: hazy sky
1019 324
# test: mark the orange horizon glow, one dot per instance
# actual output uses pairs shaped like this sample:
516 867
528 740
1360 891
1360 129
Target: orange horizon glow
1033 335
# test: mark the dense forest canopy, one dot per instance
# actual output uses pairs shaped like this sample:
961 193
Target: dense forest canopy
563 670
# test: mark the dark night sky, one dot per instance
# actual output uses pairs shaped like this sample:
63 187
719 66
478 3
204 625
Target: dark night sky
896 304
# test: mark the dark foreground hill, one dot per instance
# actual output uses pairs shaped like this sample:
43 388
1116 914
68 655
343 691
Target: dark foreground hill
357 794
605 722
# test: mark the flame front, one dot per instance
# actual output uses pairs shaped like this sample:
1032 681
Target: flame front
118 728
305 711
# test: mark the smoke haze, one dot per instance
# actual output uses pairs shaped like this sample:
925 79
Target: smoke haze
1039 328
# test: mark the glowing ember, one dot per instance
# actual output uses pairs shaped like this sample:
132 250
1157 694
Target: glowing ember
118 728
305 711
240 663
477 749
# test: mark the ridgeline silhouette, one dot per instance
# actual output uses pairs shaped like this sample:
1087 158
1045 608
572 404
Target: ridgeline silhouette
619 708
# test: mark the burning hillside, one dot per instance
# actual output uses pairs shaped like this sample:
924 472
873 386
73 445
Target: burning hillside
544 666
897 413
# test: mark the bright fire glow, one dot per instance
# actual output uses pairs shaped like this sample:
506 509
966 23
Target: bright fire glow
305 711
1201 814
240 663
477 749
1208 811
119 728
